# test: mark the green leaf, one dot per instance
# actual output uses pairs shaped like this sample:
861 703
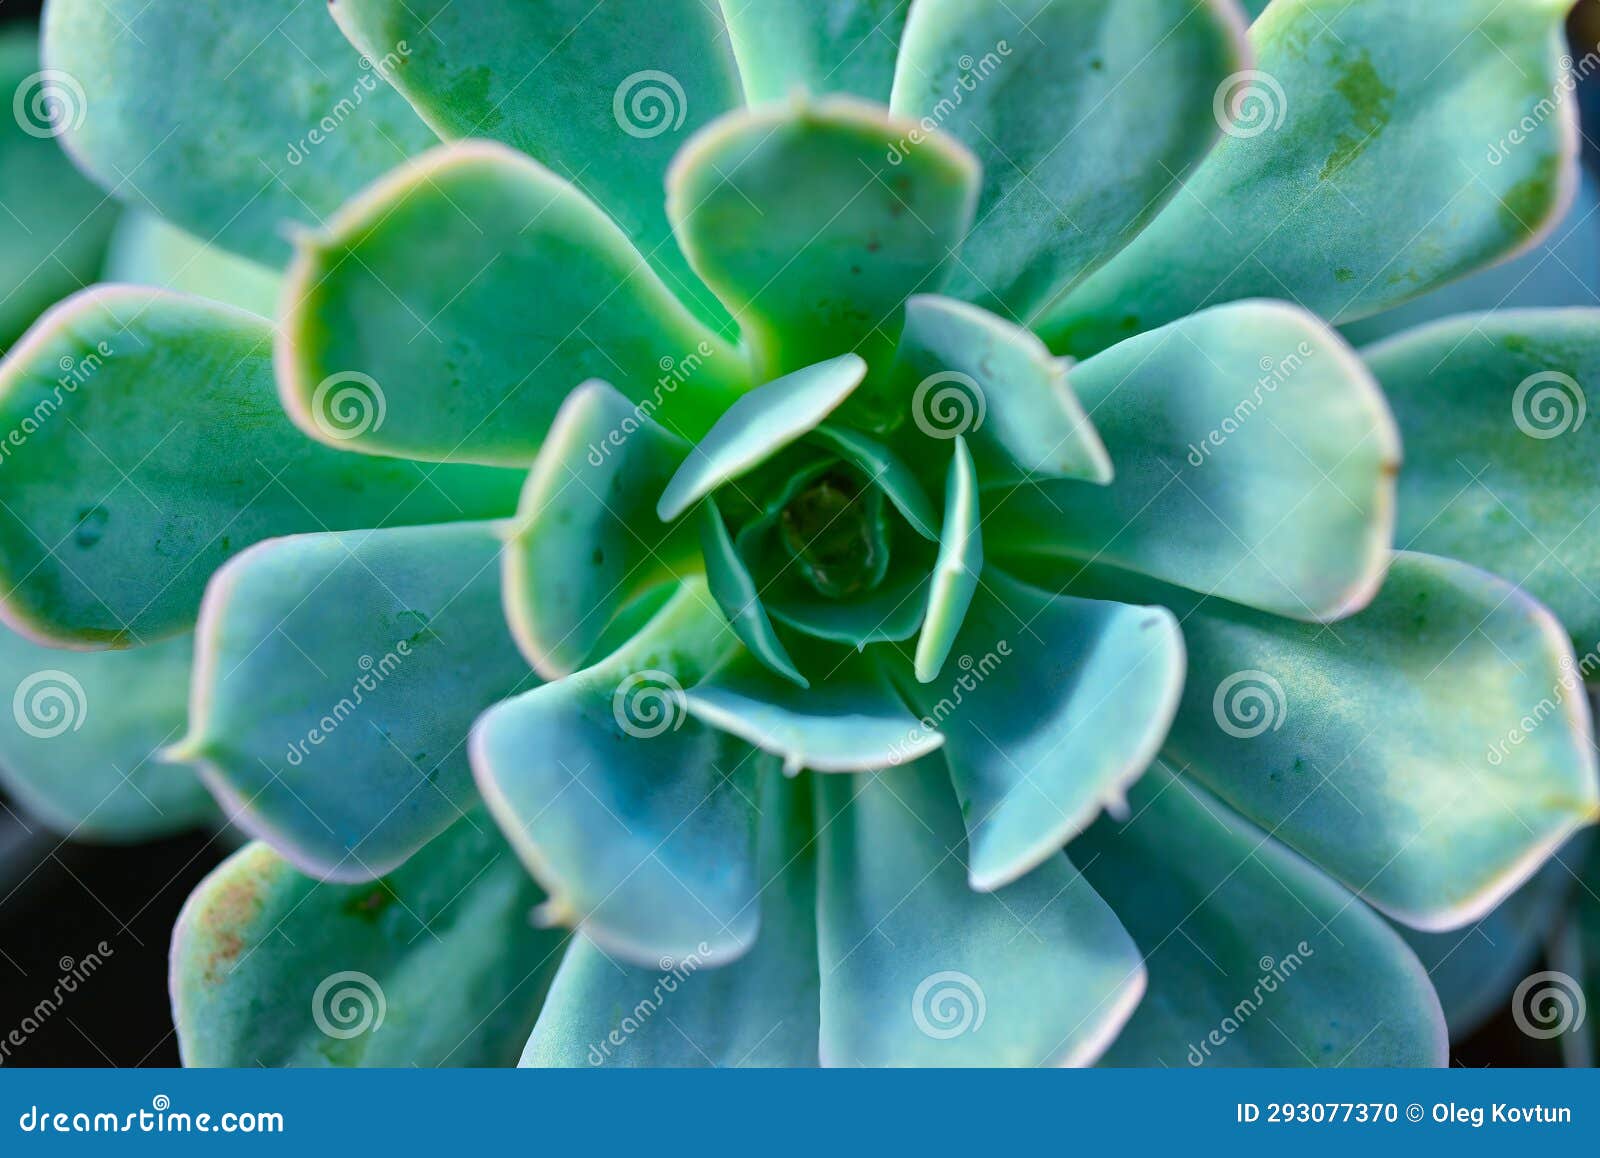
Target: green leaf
1255 958
917 969
435 965
1574 948
886 470
731 585
757 426
842 46
146 446
1255 461
960 370
957 568
145 250
639 822
336 678
760 1010
852 721
1085 118
409 285
1429 753
1059 705
1371 155
79 749
755 191
586 542
228 120
1501 465
602 94
55 222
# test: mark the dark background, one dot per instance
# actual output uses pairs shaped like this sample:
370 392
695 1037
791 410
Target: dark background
77 895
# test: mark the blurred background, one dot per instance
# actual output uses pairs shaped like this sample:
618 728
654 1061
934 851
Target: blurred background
60 900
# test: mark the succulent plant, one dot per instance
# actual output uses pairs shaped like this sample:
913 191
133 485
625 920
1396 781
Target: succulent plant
759 491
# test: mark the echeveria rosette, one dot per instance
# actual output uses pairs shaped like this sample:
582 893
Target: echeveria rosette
823 604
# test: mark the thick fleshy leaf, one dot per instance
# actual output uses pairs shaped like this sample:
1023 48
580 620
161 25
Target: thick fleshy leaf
1341 183
841 46
964 371
759 424
145 250
79 748
886 470
852 721
761 1010
147 446
892 612
586 542
1255 957
228 120
729 581
802 223
435 965
408 288
601 93
336 678
917 969
1574 949
639 821
1429 753
1255 460
1085 117
1059 705
55 223
957 568
1501 466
